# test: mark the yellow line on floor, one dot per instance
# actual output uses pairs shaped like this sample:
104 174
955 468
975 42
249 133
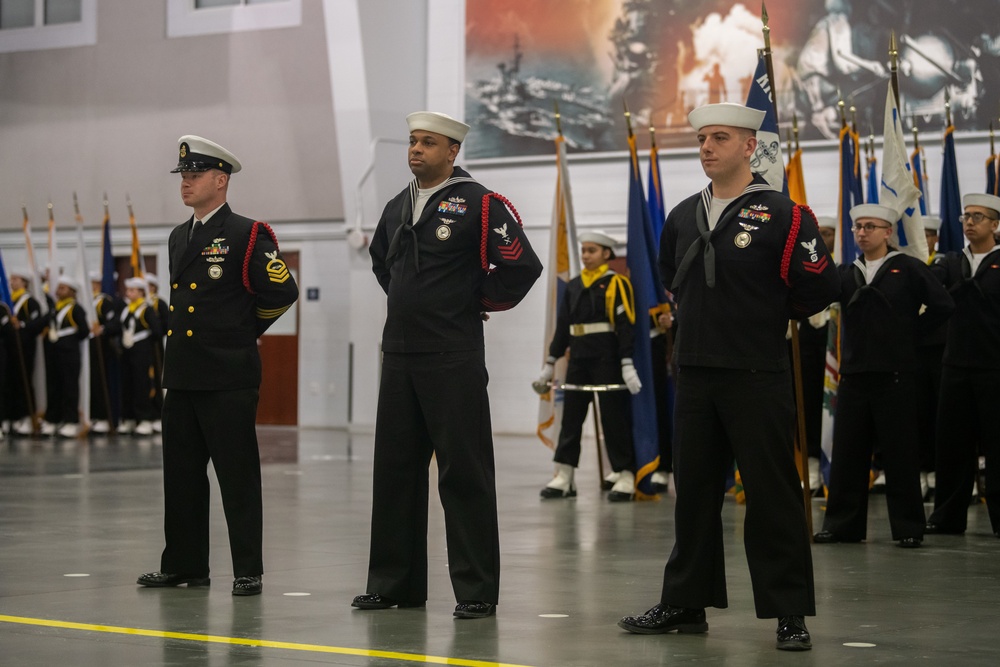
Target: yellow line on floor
261 643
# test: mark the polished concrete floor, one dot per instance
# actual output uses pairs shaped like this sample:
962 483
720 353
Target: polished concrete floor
79 521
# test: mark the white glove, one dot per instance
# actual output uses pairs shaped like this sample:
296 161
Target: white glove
128 336
631 378
548 371
541 385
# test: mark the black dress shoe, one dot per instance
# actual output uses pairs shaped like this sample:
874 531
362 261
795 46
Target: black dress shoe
548 493
475 609
620 497
826 537
376 601
664 618
792 634
165 580
247 585
909 543
937 529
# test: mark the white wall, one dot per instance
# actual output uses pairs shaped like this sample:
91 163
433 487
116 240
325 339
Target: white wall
106 118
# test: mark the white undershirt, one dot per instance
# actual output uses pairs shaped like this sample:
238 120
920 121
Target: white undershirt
424 194
871 268
977 259
715 211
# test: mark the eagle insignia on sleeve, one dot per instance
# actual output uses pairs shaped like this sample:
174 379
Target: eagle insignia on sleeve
277 271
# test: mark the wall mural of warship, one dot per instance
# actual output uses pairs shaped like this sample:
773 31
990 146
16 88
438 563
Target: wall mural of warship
665 57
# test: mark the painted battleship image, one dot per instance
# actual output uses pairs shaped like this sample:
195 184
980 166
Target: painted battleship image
511 107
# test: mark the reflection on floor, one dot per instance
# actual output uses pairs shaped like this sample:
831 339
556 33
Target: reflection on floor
79 521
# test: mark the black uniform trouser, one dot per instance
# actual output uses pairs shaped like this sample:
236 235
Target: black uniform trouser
216 425
928 369
664 400
875 409
137 382
104 384
63 375
722 413
434 404
21 378
616 421
966 425
812 359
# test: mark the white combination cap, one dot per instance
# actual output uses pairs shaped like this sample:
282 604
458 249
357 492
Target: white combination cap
728 114
199 154
432 121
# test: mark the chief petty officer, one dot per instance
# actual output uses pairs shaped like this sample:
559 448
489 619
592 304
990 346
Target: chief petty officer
229 284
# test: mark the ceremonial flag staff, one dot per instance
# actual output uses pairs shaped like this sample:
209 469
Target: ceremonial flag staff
138 262
800 426
919 178
649 299
97 331
899 191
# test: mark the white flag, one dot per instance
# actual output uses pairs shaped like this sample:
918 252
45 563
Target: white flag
899 192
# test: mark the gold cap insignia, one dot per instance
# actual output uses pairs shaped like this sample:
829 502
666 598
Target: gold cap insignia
184 150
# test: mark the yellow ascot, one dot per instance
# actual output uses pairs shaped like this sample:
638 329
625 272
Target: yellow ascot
588 277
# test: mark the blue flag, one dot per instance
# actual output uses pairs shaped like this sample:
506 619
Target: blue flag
992 181
657 216
766 160
916 165
873 182
850 196
649 296
108 285
4 285
950 237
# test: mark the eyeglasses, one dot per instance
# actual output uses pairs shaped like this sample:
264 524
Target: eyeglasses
869 227
976 217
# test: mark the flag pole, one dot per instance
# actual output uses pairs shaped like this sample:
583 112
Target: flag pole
800 420
894 67
98 331
29 398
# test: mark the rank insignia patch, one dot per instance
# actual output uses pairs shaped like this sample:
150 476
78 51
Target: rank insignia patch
502 231
451 207
816 263
277 272
511 252
755 215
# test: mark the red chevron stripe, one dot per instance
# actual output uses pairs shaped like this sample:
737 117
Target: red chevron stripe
818 267
511 252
